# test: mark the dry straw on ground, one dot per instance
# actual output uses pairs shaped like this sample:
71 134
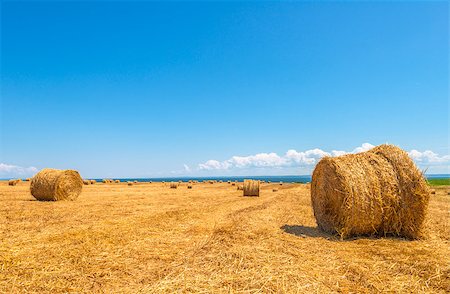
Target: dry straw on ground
53 185
251 188
377 192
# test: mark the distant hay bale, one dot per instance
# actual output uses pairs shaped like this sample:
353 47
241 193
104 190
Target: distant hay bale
150 182
281 183
211 182
274 190
268 182
93 182
251 188
129 183
104 181
135 182
240 187
53 185
173 185
86 182
233 184
229 182
433 191
189 186
377 192
220 181
27 179
13 182
117 181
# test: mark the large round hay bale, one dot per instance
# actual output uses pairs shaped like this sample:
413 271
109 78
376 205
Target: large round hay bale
53 185
378 192
251 188
13 182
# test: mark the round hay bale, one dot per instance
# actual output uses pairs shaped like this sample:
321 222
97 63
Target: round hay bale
86 182
233 184
27 179
274 190
251 188
281 183
53 185
189 186
117 181
129 183
377 192
433 191
104 181
240 187
135 181
13 182
93 182
173 185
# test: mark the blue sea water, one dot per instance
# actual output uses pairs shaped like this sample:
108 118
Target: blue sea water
285 179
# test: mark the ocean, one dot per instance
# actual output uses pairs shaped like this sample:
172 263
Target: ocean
285 179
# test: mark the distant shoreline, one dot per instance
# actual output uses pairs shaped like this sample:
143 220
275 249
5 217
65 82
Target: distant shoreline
287 179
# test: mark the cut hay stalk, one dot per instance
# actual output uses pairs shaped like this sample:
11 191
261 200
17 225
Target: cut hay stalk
251 188
53 185
173 185
377 192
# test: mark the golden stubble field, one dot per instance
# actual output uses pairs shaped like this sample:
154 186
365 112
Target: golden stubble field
148 238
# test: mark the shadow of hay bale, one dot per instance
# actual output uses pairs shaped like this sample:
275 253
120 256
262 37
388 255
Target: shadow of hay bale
304 231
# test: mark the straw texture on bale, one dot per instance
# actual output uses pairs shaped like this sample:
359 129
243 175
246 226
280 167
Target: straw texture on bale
240 187
53 185
173 185
378 192
251 188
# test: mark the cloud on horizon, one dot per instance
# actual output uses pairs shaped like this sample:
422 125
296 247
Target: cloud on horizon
307 159
14 171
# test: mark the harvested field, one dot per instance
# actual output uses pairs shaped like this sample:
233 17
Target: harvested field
209 239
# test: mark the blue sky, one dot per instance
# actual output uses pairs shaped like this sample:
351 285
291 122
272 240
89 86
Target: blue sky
141 89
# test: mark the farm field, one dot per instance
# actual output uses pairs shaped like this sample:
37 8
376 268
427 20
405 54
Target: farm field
148 238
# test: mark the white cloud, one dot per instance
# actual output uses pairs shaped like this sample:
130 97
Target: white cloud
307 159
187 168
428 157
14 171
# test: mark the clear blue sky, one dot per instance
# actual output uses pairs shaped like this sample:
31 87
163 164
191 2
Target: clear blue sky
125 89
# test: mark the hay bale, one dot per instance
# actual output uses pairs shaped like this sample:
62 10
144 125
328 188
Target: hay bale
53 185
240 187
129 183
233 184
13 182
433 191
251 188
268 182
117 181
274 190
28 179
189 186
377 192
93 182
86 182
104 181
281 183
173 185
150 182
